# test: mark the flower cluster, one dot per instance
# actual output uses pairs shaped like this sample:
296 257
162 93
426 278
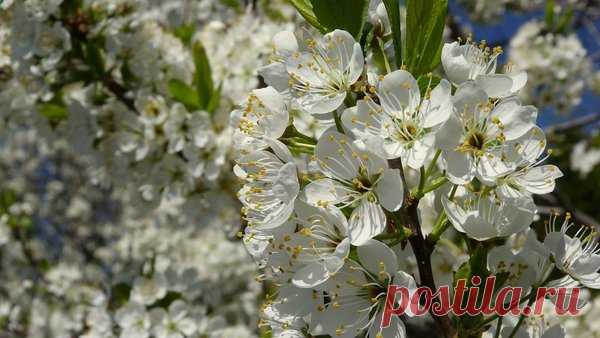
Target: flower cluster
584 158
116 208
108 77
124 123
557 66
79 260
327 214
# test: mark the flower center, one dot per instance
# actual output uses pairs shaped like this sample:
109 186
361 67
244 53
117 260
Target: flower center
406 131
362 184
475 141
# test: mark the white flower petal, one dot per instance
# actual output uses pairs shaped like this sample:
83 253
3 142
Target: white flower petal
419 151
455 65
275 75
519 80
540 180
460 168
324 191
495 85
449 135
319 104
367 221
276 122
363 120
285 42
317 273
376 257
399 90
395 330
517 119
456 215
478 228
468 97
437 109
491 166
390 190
335 154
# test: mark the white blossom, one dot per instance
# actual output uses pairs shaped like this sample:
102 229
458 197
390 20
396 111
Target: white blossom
172 324
322 73
487 216
576 255
355 178
478 63
475 141
134 321
405 124
556 64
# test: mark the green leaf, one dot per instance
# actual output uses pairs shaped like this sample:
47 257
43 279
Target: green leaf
126 73
305 9
235 4
463 272
53 112
169 298
393 9
427 82
271 11
203 76
185 94
425 20
348 15
119 294
565 20
95 60
549 15
215 99
7 198
185 33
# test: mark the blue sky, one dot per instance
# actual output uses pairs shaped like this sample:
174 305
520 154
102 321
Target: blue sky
508 26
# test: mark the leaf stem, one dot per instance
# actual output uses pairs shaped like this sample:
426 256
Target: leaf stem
338 122
386 62
433 163
435 184
422 179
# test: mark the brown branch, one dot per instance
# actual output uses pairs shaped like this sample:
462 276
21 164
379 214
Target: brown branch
560 203
421 248
573 124
118 91
78 29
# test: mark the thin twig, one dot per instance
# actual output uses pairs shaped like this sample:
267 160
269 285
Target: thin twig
421 248
574 124
560 203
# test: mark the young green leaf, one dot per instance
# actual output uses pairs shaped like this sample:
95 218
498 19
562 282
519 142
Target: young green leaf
565 20
425 20
305 9
348 15
235 4
215 99
549 15
427 82
95 59
53 112
393 10
183 93
185 33
203 76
